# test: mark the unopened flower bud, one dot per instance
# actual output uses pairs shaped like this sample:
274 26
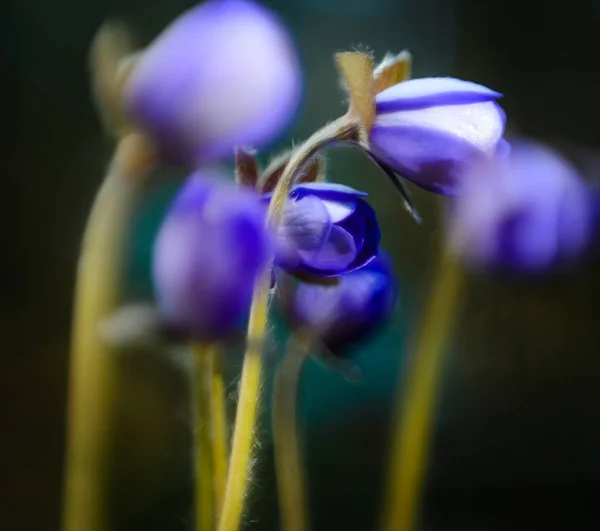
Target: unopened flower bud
224 74
210 249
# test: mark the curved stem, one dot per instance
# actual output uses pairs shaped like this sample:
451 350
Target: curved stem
201 426
218 418
288 457
344 129
92 366
241 448
416 407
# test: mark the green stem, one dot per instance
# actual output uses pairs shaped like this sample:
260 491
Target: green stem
288 457
92 368
218 422
242 443
241 448
201 425
416 408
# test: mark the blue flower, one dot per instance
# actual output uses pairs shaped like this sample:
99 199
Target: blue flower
527 213
326 230
224 74
209 251
348 312
428 130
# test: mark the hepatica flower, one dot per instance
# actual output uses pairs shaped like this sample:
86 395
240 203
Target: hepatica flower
326 230
223 74
428 130
526 213
208 253
347 312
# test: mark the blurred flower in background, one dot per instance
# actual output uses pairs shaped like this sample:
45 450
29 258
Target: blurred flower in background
327 230
208 254
344 313
526 213
428 130
224 74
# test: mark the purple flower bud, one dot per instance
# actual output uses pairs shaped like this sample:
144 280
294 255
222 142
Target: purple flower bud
526 213
429 129
347 312
326 230
209 251
224 74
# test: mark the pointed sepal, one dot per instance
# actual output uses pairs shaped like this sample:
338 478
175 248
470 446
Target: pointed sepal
392 70
246 168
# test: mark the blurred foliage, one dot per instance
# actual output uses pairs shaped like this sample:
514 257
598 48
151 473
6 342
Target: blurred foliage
518 423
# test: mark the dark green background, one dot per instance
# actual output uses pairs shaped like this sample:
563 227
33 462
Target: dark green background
517 438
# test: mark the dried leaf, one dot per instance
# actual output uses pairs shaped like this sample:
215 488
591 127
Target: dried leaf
315 171
246 168
393 70
357 69
270 177
111 59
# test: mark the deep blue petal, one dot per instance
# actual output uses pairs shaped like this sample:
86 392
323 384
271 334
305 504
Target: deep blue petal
372 237
347 312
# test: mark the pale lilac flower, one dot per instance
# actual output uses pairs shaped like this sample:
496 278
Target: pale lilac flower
224 74
428 130
527 213
209 251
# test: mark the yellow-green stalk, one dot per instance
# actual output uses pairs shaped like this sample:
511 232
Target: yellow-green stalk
415 410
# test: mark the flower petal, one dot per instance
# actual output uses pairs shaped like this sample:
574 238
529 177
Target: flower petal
480 124
370 245
430 159
337 254
339 211
331 190
305 226
432 91
356 225
431 146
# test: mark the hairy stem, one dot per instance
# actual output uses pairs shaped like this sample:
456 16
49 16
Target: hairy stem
342 129
288 457
218 418
92 366
201 425
416 408
241 448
